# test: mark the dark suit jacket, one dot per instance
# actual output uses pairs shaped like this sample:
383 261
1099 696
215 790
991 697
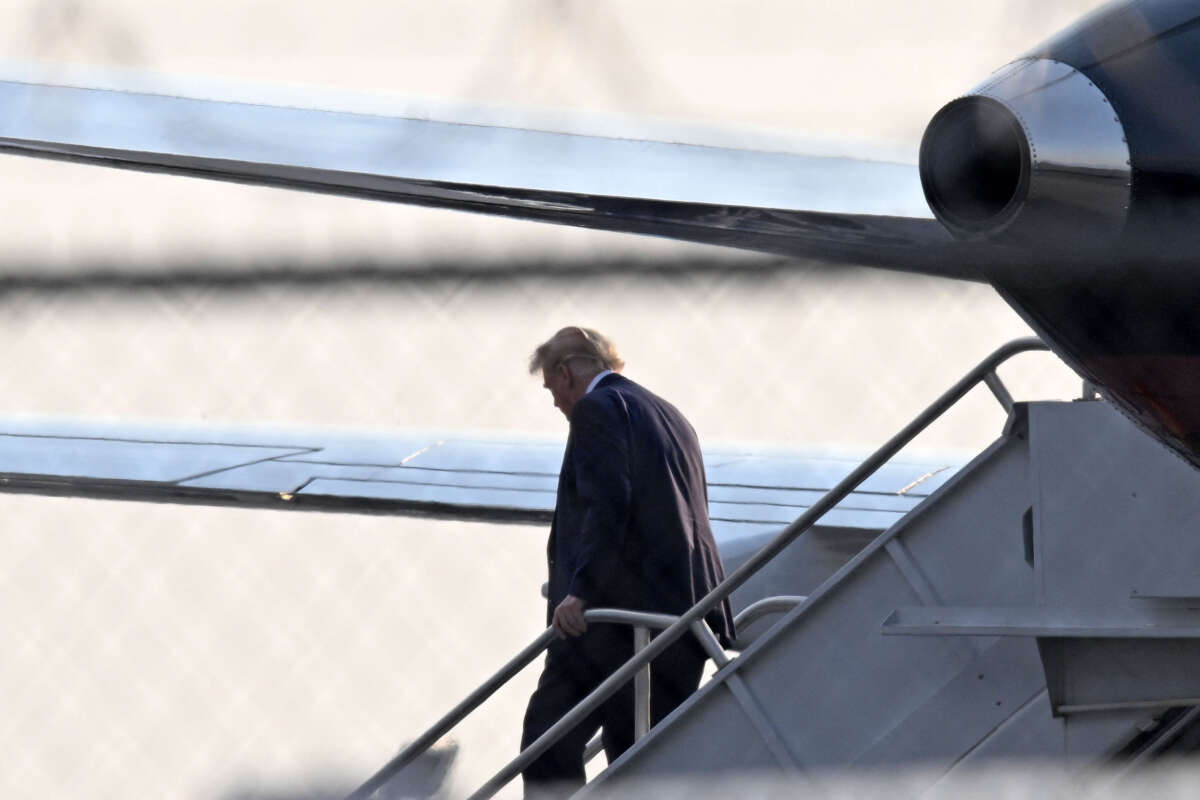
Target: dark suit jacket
631 526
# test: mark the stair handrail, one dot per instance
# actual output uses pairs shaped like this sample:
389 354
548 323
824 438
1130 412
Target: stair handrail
984 372
641 621
765 607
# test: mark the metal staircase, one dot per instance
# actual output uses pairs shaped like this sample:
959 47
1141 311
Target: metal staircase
1038 605
1042 605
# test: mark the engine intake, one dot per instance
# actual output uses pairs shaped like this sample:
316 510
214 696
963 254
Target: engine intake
1035 152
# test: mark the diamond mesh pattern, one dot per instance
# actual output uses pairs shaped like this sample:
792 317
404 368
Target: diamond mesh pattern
200 652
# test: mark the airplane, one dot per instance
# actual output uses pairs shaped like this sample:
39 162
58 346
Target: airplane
1063 181
1059 181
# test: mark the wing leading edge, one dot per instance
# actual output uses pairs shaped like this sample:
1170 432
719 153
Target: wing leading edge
839 210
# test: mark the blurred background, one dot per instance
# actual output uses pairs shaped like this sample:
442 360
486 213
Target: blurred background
197 652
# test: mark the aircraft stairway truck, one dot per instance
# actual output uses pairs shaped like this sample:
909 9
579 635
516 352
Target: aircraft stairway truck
1042 605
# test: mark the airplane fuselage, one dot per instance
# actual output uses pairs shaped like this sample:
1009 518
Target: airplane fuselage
1083 156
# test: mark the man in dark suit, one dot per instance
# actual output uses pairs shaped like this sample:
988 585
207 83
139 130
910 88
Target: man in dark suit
630 530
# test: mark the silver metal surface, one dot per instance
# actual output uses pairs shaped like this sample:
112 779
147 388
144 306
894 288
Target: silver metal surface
170 125
515 480
965 706
517 456
1037 621
999 391
126 460
1170 589
1035 151
764 608
423 494
849 516
787 498
763 726
758 475
799 570
1084 674
1155 704
641 686
593 748
708 641
1119 517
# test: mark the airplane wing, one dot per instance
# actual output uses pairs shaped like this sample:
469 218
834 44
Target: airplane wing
752 491
837 209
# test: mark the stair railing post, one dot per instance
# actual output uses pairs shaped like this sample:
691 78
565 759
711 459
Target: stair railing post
641 685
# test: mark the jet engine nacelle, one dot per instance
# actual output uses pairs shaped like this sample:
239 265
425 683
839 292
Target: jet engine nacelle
1091 139
1036 151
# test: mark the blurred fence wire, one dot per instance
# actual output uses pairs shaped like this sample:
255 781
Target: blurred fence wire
203 652
191 652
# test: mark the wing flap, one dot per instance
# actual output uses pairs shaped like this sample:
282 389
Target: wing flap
503 480
494 503
126 460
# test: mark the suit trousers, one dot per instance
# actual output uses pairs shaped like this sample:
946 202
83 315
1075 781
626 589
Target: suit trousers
576 666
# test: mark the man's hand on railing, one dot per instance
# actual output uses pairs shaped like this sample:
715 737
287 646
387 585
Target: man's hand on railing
568 617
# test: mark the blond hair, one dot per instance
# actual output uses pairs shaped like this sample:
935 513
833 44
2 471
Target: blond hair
578 348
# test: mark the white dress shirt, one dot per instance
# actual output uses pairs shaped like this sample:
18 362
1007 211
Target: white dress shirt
599 377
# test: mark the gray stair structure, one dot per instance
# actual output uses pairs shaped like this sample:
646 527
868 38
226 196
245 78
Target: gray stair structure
1039 605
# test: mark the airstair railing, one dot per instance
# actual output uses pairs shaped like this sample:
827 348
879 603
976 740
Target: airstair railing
763 608
643 622
984 372
751 613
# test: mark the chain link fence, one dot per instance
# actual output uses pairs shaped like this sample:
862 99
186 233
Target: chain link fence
207 652
192 652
